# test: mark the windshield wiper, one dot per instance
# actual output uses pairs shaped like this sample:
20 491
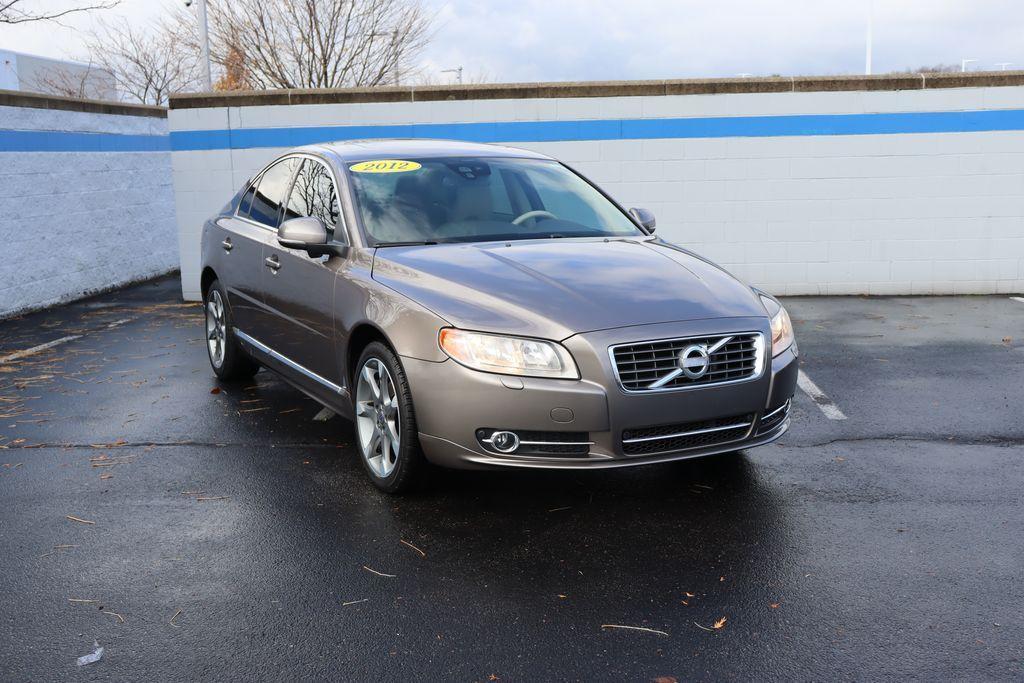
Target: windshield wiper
405 244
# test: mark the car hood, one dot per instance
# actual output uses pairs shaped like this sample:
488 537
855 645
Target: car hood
556 288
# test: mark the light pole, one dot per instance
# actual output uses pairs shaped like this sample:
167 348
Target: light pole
457 71
1002 65
204 42
964 63
868 37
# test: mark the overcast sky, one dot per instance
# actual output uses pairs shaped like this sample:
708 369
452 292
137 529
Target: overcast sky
546 40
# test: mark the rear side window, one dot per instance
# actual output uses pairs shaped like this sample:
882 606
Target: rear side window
270 191
245 203
314 194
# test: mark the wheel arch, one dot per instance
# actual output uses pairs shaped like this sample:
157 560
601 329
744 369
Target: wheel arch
206 279
363 335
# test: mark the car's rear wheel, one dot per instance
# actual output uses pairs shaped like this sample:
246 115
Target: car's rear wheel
227 357
385 421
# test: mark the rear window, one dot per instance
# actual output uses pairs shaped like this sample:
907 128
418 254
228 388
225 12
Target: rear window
270 192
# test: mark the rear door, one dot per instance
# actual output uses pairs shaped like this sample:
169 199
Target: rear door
246 233
299 288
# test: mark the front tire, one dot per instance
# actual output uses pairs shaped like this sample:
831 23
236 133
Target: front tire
385 422
227 358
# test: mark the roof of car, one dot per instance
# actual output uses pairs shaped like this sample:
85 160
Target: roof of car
365 150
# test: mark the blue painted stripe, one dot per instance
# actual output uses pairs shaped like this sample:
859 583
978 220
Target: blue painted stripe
61 141
614 129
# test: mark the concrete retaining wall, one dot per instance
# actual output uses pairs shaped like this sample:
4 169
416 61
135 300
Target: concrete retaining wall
86 201
886 185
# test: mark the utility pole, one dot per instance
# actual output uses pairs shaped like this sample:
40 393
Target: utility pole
456 71
204 43
964 63
868 38
398 62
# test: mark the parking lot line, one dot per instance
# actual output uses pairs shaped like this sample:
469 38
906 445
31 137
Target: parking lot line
826 404
36 349
56 342
1017 298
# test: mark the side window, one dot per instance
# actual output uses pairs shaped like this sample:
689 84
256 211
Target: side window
245 203
270 191
314 194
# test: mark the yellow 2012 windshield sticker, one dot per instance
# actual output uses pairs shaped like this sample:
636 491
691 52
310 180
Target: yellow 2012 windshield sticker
385 166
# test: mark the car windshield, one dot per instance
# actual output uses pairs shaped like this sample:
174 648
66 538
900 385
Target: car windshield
460 199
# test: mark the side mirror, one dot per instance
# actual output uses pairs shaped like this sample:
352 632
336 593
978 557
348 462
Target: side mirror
644 218
308 233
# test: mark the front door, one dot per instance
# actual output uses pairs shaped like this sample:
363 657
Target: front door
298 289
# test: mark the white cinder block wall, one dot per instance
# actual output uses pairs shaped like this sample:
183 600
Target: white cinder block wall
837 192
86 201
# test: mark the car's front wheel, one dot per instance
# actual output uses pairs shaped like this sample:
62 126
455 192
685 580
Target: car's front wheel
385 421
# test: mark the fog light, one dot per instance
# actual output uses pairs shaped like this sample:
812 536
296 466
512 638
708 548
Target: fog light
504 442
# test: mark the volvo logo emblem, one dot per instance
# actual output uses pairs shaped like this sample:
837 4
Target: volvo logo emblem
694 361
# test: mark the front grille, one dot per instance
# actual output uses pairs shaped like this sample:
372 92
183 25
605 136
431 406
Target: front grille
555 444
643 364
685 436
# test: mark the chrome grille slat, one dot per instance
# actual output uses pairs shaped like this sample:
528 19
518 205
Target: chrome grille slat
641 364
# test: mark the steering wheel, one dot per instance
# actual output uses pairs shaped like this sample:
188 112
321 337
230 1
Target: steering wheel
532 214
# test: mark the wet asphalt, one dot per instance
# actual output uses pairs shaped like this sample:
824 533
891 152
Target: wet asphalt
226 535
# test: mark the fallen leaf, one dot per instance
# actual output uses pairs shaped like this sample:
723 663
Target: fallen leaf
79 519
665 679
719 624
775 605
215 390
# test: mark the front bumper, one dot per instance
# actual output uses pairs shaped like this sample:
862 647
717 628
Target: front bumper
453 404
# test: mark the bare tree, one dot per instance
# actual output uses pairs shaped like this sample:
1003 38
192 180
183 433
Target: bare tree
148 65
22 11
934 69
84 82
312 43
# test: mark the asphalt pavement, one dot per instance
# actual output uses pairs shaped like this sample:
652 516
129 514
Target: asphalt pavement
200 530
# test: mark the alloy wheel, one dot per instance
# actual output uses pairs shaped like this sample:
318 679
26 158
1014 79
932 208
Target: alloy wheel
377 418
216 328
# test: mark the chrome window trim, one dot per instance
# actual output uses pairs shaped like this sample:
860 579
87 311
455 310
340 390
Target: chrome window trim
255 179
759 363
342 223
289 362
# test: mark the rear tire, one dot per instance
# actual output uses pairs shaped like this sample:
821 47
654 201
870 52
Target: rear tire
385 422
227 358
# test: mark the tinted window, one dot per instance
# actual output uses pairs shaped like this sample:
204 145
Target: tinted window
266 204
459 199
313 194
246 201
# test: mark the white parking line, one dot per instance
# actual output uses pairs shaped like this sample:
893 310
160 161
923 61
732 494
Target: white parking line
36 349
1017 298
56 342
826 404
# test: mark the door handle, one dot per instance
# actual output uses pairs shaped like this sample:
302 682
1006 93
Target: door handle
227 244
272 263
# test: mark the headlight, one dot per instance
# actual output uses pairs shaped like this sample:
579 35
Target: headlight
508 355
782 328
